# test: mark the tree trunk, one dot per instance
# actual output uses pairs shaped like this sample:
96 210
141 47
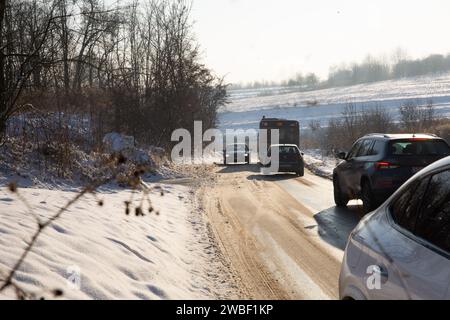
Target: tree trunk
2 129
2 68
65 46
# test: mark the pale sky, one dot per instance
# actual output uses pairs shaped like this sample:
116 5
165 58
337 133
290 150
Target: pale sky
248 40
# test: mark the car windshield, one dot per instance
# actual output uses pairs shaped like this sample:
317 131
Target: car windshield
287 149
416 147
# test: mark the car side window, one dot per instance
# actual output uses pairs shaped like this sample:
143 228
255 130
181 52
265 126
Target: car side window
405 208
366 146
354 150
433 223
377 148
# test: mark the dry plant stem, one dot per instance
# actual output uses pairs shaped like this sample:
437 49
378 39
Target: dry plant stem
8 280
29 207
42 226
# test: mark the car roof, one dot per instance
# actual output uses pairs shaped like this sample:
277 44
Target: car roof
283 145
274 119
395 136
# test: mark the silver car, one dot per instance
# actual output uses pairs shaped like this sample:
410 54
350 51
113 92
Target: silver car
235 153
402 249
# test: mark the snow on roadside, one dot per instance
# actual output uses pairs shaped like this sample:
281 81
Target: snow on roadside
318 163
166 256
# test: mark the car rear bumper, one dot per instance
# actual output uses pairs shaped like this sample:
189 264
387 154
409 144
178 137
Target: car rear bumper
289 167
384 187
236 158
286 166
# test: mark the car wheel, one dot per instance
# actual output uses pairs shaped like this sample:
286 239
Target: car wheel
339 199
301 172
367 197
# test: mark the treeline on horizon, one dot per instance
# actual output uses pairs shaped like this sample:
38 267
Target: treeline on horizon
367 71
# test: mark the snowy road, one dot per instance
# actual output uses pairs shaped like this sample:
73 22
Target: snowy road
282 234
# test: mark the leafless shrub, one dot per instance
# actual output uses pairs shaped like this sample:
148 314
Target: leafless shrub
376 119
341 133
315 137
312 103
417 118
442 129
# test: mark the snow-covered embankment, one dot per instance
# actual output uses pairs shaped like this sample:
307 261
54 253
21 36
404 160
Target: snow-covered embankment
112 255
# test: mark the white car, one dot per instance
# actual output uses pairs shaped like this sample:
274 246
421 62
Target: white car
235 153
402 249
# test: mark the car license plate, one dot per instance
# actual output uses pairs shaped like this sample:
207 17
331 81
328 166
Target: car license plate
416 169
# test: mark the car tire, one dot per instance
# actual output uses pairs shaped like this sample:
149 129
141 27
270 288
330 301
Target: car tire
339 199
367 197
301 172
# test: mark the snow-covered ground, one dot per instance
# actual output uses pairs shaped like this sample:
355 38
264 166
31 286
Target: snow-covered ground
246 109
165 256
320 164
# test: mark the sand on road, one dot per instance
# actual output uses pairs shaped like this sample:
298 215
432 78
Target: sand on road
281 234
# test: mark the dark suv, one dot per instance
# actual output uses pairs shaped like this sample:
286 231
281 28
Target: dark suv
378 164
290 158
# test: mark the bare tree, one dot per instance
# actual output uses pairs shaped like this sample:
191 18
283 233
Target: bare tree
417 118
21 56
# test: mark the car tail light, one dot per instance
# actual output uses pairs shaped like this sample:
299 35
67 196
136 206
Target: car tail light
385 165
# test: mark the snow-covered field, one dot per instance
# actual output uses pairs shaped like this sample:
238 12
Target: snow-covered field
114 256
246 109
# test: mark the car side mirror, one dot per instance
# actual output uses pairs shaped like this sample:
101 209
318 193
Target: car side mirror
342 155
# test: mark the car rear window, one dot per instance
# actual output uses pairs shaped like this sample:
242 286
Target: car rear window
415 147
288 150
237 147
